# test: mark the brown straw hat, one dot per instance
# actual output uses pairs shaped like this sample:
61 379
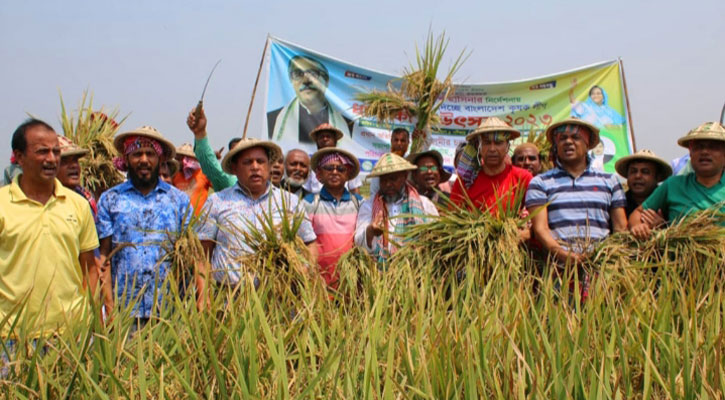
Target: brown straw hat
413 159
706 131
244 144
326 127
492 125
622 164
314 161
390 163
574 121
68 148
149 132
185 150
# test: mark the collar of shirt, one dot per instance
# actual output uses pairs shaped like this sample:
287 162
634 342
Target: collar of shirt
326 196
161 186
17 194
245 193
587 170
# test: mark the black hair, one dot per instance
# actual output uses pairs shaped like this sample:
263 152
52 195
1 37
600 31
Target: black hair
270 155
234 141
310 59
398 130
595 87
19 141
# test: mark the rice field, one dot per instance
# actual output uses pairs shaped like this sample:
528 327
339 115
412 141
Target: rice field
462 312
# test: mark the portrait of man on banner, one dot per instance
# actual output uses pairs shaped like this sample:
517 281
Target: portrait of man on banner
309 108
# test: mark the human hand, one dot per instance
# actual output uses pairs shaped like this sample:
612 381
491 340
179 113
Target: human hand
652 218
641 232
219 152
197 124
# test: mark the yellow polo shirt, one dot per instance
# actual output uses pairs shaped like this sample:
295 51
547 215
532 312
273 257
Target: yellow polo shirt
39 249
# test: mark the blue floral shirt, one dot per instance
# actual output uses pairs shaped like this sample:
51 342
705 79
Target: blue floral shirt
229 212
147 221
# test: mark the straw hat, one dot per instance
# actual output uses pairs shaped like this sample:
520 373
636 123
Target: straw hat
185 150
708 131
622 164
491 125
173 166
326 127
249 143
68 148
413 159
314 161
390 163
149 132
575 121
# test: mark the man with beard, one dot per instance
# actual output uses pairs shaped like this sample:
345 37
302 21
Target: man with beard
378 217
682 195
643 170
485 177
139 215
326 136
527 156
294 122
429 174
297 169
333 211
47 239
237 209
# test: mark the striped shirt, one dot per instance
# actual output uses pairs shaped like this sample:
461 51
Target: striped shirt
579 208
334 224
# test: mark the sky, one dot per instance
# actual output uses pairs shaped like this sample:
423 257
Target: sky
149 59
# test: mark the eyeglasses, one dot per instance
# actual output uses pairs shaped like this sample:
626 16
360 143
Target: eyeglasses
432 168
339 168
298 74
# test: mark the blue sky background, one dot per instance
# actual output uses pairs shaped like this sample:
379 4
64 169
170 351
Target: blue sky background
150 58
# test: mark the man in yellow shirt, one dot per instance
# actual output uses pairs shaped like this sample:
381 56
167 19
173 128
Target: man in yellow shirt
47 238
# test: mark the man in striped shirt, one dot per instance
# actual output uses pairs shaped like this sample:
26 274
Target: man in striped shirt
583 205
333 211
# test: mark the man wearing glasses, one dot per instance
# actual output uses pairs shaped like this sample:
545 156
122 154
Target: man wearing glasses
429 174
294 122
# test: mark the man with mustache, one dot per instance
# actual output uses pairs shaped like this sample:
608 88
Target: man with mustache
429 174
47 239
326 136
294 122
643 170
143 212
297 170
233 211
574 205
681 195
527 156
380 220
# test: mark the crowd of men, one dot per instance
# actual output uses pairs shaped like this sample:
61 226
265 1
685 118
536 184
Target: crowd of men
59 243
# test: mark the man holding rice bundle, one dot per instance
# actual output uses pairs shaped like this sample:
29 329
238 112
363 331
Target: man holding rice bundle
379 215
643 171
333 211
681 195
141 212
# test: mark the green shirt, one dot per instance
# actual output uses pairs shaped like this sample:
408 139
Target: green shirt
682 194
211 167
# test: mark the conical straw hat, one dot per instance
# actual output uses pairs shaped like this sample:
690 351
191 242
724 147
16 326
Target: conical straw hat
708 130
491 125
390 163
185 150
413 159
149 132
326 127
315 160
273 150
594 140
622 164
68 148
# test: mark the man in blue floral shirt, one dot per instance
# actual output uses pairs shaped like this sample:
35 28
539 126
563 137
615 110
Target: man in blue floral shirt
236 208
142 212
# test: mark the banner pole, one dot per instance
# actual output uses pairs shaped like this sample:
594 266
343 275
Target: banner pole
629 109
254 90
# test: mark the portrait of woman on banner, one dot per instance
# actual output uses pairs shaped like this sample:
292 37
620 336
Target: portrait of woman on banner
595 108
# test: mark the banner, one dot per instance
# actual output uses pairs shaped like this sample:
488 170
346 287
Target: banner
306 88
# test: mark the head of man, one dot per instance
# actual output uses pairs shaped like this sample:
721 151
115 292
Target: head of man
493 147
527 156
642 177
143 158
571 142
309 79
391 185
165 172
69 170
325 139
707 157
36 149
276 171
428 174
233 142
399 141
251 166
297 167
333 170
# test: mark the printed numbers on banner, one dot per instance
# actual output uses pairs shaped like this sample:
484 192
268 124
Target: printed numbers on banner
531 120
